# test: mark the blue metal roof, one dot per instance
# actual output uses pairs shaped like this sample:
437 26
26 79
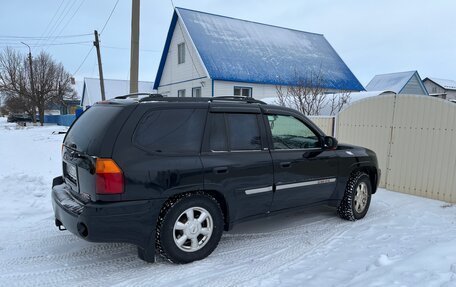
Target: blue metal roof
244 51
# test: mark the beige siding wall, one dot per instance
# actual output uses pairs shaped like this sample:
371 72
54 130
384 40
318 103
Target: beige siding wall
326 124
413 87
414 138
179 76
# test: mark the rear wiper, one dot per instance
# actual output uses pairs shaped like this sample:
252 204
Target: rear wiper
87 162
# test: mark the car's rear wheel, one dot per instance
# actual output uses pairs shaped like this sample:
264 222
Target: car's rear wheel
357 197
189 228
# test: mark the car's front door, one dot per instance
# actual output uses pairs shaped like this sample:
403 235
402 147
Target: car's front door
304 171
237 162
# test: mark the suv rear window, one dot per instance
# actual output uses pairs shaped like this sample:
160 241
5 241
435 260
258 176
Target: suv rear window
91 126
171 130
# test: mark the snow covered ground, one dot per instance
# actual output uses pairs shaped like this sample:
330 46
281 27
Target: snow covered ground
403 241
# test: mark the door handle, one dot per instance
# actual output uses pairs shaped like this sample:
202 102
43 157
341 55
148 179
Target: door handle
222 169
285 164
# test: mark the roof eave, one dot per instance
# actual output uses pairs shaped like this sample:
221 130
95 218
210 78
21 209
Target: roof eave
165 50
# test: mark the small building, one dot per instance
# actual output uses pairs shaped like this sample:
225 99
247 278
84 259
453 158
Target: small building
400 83
212 55
441 88
91 92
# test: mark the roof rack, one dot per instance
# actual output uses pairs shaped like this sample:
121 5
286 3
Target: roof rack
238 98
135 95
161 98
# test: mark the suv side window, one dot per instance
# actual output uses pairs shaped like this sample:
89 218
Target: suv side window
171 130
290 133
244 132
234 132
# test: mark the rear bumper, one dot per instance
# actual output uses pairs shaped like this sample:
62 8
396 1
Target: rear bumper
131 221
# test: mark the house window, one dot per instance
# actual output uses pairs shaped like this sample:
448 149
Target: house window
181 53
243 91
181 93
196 92
434 90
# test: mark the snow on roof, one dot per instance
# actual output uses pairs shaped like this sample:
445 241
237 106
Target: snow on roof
244 51
394 82
444 83
113 88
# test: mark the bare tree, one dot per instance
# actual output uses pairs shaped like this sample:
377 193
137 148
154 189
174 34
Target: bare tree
309 96
51 82
338 101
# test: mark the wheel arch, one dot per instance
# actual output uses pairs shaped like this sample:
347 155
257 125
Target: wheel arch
218 196
371 171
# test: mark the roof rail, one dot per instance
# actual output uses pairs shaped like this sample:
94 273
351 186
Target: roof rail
135 95
161 98
238 98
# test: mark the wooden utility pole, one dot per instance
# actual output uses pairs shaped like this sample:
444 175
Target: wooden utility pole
96 43
134 53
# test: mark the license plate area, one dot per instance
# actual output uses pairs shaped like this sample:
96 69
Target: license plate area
71 173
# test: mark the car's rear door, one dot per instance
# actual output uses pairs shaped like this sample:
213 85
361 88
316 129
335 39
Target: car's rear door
236 160
304 171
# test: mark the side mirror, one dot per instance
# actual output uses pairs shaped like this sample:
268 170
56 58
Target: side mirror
330 142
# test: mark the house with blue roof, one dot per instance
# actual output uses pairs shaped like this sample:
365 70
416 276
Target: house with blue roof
212 55
400 83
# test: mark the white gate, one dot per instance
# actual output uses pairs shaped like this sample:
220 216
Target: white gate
414 138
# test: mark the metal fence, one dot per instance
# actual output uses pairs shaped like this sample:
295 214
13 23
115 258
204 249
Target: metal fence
325 123
414 138
61 120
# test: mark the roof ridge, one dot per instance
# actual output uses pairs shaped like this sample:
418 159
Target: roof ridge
394 73
253 22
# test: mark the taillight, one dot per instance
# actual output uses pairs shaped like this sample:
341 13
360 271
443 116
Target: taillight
110 179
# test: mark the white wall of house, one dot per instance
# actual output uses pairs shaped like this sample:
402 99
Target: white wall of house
186 75
259 91
433 88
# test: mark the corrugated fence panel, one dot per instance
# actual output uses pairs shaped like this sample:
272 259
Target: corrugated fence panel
368 123
423 148
325 123
418 155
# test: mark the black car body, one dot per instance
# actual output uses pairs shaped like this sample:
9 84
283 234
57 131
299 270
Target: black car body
127 162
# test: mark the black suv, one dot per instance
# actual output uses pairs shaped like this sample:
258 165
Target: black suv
170 174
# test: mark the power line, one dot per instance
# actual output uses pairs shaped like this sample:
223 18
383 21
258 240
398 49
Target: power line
69 20
55 23
109 18
48 44
52 19
42 38
124 48
102 29
61 18
54 31
83 61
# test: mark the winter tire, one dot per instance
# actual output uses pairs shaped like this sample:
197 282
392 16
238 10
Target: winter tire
189 228
357 197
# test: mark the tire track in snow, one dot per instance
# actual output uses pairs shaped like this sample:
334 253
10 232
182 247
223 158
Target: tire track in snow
231 262
244 259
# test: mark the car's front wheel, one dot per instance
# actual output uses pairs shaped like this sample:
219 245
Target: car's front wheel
357 197
189 228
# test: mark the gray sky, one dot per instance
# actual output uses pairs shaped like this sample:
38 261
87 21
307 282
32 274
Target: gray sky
372 37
